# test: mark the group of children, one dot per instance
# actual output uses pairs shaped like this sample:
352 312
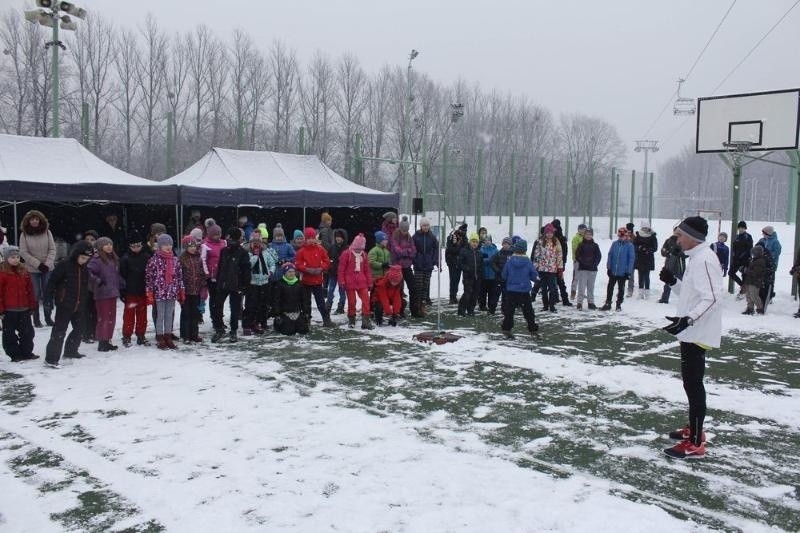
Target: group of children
264 279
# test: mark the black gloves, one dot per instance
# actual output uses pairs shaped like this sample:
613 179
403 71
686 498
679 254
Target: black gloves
386 266
44 269
667 277
678 324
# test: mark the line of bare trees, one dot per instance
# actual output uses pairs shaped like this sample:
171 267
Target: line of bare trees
232 93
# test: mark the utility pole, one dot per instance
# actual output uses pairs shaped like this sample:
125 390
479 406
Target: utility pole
646 147
540 199
611 210
633 193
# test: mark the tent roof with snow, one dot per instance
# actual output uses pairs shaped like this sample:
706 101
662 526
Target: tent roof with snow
238 177
61 170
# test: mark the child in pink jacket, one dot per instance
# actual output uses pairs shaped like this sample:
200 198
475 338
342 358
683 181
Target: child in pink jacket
355 277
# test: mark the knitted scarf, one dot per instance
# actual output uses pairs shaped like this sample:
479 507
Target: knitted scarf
359 258
169 263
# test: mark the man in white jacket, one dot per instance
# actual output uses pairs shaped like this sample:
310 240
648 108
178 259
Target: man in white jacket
698 326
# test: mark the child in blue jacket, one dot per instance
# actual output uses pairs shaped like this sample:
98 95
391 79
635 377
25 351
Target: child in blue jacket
518 273
621 257
722 251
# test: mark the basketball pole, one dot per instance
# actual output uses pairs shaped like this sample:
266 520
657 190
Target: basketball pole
794 157
734 162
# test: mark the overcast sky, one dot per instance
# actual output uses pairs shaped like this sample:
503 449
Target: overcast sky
615 59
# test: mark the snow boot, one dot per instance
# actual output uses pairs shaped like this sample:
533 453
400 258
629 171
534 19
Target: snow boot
579 307
606 307
507 334
618 308
161 342
592 307
327 322
393 320
74 355
105 346
37 322
232 337
218 335
48 320
351 321
141 340
748 312
339 309
126 342
366 323
170 342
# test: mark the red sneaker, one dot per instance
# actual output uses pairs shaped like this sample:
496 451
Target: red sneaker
684 433
685 449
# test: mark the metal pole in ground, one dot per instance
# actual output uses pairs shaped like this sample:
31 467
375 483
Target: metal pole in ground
540 199
633 193
513 198
650 202
611 211
566 199
794 156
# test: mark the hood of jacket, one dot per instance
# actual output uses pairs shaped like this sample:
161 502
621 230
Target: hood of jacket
26 223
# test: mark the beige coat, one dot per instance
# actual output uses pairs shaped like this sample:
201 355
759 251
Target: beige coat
37 249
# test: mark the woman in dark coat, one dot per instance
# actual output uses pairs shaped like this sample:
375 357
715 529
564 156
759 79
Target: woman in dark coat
645 244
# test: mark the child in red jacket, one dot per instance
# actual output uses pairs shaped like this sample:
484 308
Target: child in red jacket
355 277
17 300
388 295
312 262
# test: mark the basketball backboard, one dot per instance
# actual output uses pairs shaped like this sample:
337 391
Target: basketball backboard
767 121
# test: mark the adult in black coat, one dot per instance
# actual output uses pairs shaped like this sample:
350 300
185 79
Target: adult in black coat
470 263
645 244
562 239
112 229
455 242
740 252
68 289
233 278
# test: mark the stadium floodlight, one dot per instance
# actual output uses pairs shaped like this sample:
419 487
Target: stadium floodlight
46 20
34 14
68 24
73 10
45 3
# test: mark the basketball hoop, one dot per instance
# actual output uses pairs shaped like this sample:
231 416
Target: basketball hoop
737 149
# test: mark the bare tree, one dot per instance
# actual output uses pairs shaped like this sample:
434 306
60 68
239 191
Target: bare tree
241 77
198 46
316 102
151 79
351 84
16 70
284 79
126 65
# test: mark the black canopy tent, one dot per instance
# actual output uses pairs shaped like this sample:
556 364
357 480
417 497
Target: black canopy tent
42 172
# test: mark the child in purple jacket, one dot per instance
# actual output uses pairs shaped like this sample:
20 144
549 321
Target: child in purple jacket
164 281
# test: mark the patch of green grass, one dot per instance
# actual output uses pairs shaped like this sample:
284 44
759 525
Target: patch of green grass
14 390
25 465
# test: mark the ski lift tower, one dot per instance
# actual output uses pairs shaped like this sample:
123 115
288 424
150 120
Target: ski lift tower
647 147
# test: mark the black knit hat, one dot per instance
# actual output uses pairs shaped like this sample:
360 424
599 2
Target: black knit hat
134 237
742 224
630 226
695 227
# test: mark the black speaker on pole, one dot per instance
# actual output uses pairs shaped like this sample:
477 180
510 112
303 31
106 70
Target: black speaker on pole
416 206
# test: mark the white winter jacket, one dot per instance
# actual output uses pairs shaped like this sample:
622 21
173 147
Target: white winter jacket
700 297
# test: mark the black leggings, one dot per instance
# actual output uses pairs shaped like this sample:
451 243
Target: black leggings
644 278
693 367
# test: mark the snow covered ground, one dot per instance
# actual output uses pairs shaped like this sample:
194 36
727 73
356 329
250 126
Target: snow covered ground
370 431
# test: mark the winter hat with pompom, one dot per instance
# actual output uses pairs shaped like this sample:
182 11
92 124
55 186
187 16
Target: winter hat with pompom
297 234
214 232
102 241
521 246
380 237
197 233
189 240
359 243
310 233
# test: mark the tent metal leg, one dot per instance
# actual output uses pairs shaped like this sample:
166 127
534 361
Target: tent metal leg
304 218
16 228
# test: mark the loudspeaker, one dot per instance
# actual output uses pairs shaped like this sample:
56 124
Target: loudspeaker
416 206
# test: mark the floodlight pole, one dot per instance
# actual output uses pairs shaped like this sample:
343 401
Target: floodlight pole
54 67
479 190
616 203
650 202
566 198
513 196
